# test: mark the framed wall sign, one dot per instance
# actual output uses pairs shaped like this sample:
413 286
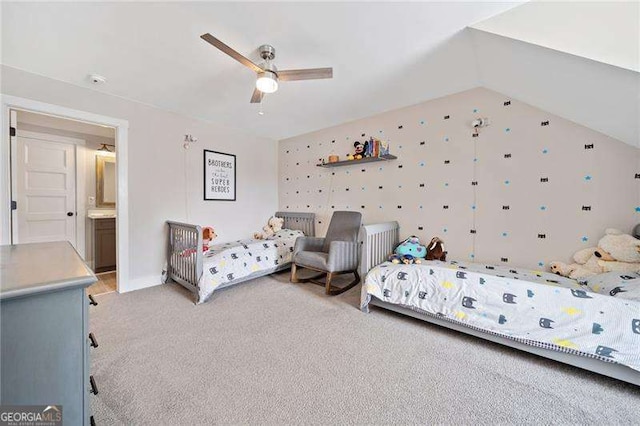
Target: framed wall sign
219 176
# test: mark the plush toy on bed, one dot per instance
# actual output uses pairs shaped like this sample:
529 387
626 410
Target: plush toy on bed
273 225
409 251
435 250
208 235
616 251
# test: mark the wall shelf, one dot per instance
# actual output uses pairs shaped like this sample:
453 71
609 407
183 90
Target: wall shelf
387 157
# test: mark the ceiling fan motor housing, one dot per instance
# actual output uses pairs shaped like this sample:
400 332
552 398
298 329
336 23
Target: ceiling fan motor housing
267 52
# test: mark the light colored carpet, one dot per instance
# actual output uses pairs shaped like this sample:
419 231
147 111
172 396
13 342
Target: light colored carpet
271 352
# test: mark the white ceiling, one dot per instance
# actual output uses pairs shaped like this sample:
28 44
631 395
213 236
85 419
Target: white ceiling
384 55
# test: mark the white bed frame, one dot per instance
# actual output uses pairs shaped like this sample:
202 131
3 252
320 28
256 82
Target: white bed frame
185 256
379 240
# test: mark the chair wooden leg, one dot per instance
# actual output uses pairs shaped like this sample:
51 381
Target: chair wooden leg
294 278
328 283
333 291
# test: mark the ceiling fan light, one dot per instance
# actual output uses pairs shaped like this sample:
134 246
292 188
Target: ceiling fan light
267 82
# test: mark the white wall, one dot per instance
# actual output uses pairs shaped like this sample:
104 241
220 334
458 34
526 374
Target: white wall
159 187
544 187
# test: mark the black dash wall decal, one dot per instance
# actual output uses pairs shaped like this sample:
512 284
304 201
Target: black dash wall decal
588 146
400 166
447 162
544 123
420 228
319 190
362 135
400 127
308 146
346 189
362 207
637 175
363 170
544 179
474 183
507 156
399 207
287 151
475 135
333 207
472 231
542 236
421 185
505 207
586 208
297 164
422 143
333 173
445 207
297 192
504 259
380 187
333 141
446 117
308 177
506 103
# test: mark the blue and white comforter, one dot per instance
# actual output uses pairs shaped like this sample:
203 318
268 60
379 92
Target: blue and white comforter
224 263
532 307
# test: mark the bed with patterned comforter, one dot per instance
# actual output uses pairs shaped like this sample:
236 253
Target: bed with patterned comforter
230 263
532 307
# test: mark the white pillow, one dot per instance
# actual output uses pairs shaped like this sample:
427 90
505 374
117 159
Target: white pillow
625 285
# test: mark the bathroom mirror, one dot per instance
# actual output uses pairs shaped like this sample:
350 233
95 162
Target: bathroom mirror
105 181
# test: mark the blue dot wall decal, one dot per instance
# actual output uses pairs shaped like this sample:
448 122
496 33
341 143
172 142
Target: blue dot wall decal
540 263
380 169
422 164
380 131
347 172
379 207
507 129
585 239
472 255
543 208
545 151
444 230
363 188
506 182
475 110
446 184
421 121
347 137
504 234
587 178
399 146
475 160
637 209
473 207
421 207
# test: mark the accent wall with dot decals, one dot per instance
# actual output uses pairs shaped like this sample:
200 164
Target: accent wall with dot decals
528 189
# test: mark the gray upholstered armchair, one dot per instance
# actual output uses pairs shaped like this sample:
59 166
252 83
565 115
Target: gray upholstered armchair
335 254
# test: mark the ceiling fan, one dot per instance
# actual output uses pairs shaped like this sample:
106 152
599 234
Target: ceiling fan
268 74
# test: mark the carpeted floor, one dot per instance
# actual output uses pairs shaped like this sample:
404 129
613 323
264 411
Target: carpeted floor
271 352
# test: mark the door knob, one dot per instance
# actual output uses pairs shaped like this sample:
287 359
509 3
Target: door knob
69 213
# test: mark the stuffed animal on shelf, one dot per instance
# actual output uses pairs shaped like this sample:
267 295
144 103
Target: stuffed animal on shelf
360 149
435 250
274 224
208 235
616 251
407 259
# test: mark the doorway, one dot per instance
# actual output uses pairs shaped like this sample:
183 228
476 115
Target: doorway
51 159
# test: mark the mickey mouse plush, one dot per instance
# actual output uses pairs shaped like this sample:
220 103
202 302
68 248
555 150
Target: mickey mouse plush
360 149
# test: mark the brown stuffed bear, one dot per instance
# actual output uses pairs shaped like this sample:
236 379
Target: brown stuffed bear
435 250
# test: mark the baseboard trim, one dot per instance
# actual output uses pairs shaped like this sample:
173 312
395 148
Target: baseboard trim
140 283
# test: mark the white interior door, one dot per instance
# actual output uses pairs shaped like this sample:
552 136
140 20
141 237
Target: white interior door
45 190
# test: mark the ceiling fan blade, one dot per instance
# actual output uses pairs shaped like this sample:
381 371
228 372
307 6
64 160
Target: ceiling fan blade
307 74
229 51
256 98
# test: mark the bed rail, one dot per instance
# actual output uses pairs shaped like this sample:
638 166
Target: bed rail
304 222
378 241
184 260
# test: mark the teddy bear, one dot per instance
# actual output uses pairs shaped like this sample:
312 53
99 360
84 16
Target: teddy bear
273 225
208 235
616 251
435 250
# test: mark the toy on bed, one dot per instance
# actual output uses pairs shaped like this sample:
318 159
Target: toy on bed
409 251
208 235
435 250
616 251
273 225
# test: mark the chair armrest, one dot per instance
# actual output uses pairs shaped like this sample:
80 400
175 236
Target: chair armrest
343 256
308 244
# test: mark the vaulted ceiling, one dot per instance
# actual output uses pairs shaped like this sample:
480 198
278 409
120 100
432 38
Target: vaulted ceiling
384 55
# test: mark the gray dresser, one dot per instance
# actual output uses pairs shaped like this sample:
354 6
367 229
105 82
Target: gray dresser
44 336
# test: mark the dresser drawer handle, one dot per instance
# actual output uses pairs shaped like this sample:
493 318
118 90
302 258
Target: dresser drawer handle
92 301
94 388
94 342
92 422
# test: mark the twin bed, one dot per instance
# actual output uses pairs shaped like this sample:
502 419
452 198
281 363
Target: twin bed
533 311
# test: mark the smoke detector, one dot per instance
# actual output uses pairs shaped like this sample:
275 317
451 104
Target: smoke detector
97 79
